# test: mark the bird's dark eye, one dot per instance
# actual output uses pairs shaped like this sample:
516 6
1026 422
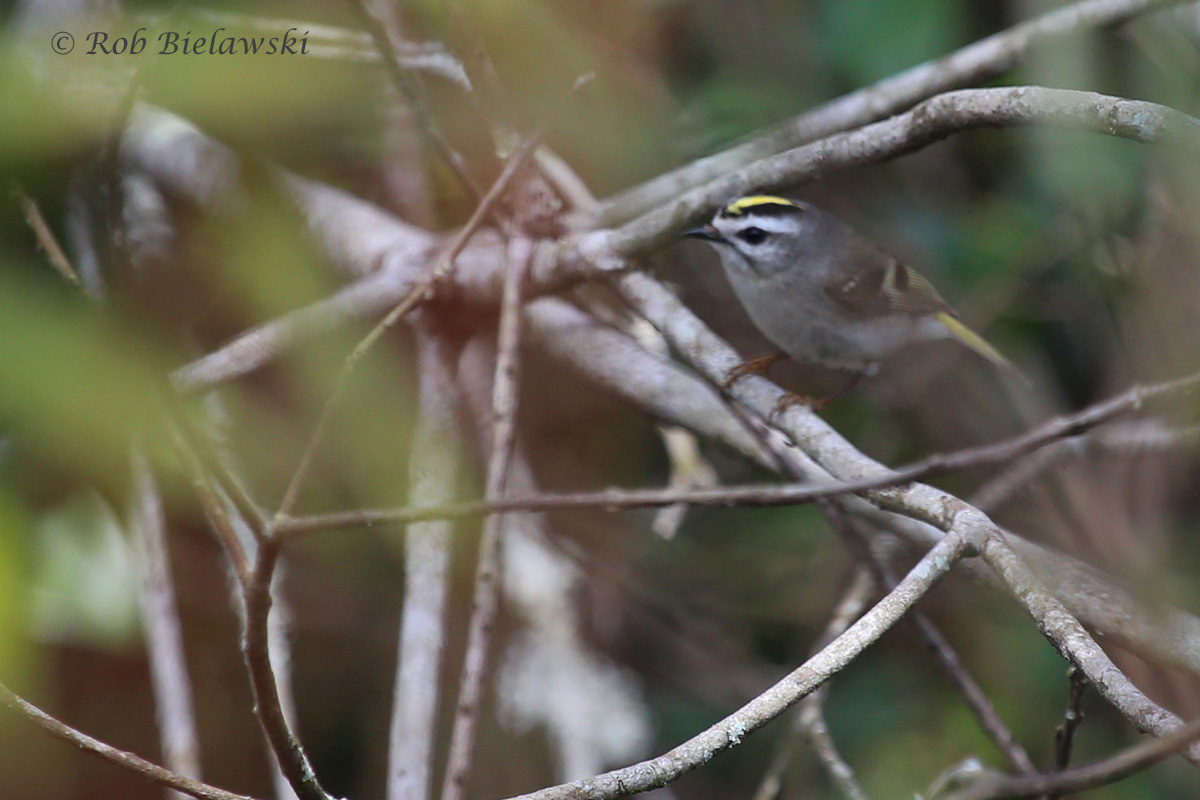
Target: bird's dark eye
752 235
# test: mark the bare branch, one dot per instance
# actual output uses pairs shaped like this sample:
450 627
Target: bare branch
256 595
828 453
1102 773
977 701
730 731
433 474
344 223
163 630
46 239
1074 643
768 495
1124 438
931 121
810 717
1064 737
412 94
487 583
137 764
972 64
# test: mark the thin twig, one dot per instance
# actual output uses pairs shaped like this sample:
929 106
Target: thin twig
768 495
210 499
809 719
162 626
256 595
1126 438
121 758
412 93
1101 773
487 582
1077 645
945 655
46 239
1064 736
419 293
730 731
973 64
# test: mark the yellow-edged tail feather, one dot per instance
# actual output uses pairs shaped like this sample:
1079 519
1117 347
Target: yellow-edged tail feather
977 343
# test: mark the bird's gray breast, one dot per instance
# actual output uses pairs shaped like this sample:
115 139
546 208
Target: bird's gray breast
793 310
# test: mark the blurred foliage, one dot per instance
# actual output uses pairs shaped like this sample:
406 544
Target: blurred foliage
1077 253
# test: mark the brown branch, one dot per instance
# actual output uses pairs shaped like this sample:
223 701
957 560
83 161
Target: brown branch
1064 736
973 64
268 708
417 295
730 731
412 94
810 717
1102 773
769 495
121 758
46 239
944 654
210 498
487 583
162 627
931 121
1125 438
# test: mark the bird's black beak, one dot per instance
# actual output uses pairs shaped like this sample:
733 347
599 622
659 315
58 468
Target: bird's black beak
706 232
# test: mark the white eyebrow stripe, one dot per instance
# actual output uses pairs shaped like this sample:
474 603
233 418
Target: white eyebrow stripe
768 224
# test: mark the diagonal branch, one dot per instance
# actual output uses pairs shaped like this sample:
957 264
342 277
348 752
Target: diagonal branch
730 731
1102 773
1074 644
342 223
810 719
1047 433
487 579
825 452
121 758
975 63
931 121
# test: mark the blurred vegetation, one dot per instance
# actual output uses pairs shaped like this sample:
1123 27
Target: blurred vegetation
1077 253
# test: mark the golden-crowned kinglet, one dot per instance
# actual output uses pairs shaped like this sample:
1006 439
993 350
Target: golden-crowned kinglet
822 293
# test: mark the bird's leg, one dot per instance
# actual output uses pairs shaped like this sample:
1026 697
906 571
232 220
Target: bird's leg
754 366
816 405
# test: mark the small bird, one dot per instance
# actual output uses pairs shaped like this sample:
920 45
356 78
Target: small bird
825 294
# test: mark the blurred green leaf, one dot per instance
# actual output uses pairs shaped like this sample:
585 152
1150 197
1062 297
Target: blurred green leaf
84 586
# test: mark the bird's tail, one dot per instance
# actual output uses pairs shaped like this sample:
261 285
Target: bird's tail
977 343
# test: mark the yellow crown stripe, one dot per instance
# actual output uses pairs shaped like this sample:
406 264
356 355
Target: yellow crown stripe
740 205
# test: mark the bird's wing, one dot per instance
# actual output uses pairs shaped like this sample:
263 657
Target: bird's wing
873 283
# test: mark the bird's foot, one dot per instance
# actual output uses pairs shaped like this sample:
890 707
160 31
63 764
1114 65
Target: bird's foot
755 366
790 399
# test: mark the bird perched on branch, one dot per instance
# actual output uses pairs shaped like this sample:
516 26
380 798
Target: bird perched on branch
823 293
